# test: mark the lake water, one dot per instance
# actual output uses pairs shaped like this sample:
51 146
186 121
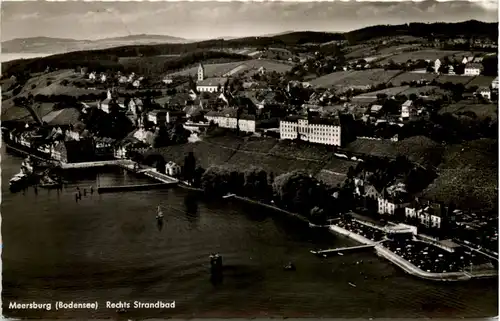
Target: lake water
108 248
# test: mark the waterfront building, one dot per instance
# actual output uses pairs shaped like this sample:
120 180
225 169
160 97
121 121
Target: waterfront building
172 169
426 213
326 131
393 199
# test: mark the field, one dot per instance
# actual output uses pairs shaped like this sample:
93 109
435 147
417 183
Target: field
481 110
412 76
354 78
21 113
62 117
455 79
330 79
272 155
418 149
372 96
425 90
219 70
330 178
468 176
427 54
481 81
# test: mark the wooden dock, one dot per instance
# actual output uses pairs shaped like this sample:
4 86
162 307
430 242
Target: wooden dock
128 188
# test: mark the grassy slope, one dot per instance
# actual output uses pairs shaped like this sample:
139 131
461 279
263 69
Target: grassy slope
468 176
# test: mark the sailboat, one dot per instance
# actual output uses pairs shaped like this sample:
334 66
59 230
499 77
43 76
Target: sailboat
159 215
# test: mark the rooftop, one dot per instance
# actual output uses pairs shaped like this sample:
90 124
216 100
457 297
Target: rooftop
212 82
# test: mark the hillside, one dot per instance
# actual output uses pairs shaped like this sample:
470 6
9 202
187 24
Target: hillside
55 45
147 61
425 30
468 176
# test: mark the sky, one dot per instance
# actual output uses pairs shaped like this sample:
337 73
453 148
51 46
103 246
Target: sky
204 20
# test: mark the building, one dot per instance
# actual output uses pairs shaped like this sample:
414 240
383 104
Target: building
425 213
437 65
473 69
157 117
407 109
318 130
465 61
211 85
393 199
172 169
485 92
174 116
228 119
167 80
201 72
494 83
92 76
371 192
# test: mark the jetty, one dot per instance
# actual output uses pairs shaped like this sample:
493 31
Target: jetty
344 249
91 164
127 188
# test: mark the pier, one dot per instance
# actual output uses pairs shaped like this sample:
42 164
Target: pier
127 188
344 249
91 164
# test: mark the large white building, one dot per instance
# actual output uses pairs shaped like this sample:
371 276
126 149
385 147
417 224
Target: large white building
228 119
315 130
211 85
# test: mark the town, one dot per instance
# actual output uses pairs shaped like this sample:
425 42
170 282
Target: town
375 135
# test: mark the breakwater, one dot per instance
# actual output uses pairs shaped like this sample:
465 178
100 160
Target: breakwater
127 188
404 264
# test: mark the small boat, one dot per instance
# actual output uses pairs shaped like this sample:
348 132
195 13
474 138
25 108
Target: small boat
159 215
289 267
228 195
19 181
340 253
352 284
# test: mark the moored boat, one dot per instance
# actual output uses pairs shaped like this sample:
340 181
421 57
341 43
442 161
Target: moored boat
19 181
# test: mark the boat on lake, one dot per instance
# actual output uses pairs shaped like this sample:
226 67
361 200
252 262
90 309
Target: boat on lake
159 213
19 181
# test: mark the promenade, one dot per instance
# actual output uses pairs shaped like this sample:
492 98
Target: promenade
387 252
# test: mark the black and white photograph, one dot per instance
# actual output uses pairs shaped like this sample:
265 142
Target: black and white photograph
241 159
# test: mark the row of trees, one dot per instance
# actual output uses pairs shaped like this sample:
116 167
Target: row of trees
295 191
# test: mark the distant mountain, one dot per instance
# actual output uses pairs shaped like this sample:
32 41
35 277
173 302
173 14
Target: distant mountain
62 45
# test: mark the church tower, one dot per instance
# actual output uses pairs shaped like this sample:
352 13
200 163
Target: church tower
201 72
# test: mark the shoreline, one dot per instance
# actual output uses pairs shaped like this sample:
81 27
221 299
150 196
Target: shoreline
380 250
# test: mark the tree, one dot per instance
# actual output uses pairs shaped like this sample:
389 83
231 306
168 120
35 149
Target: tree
317 215
296 191
215 181
255 182
189 167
